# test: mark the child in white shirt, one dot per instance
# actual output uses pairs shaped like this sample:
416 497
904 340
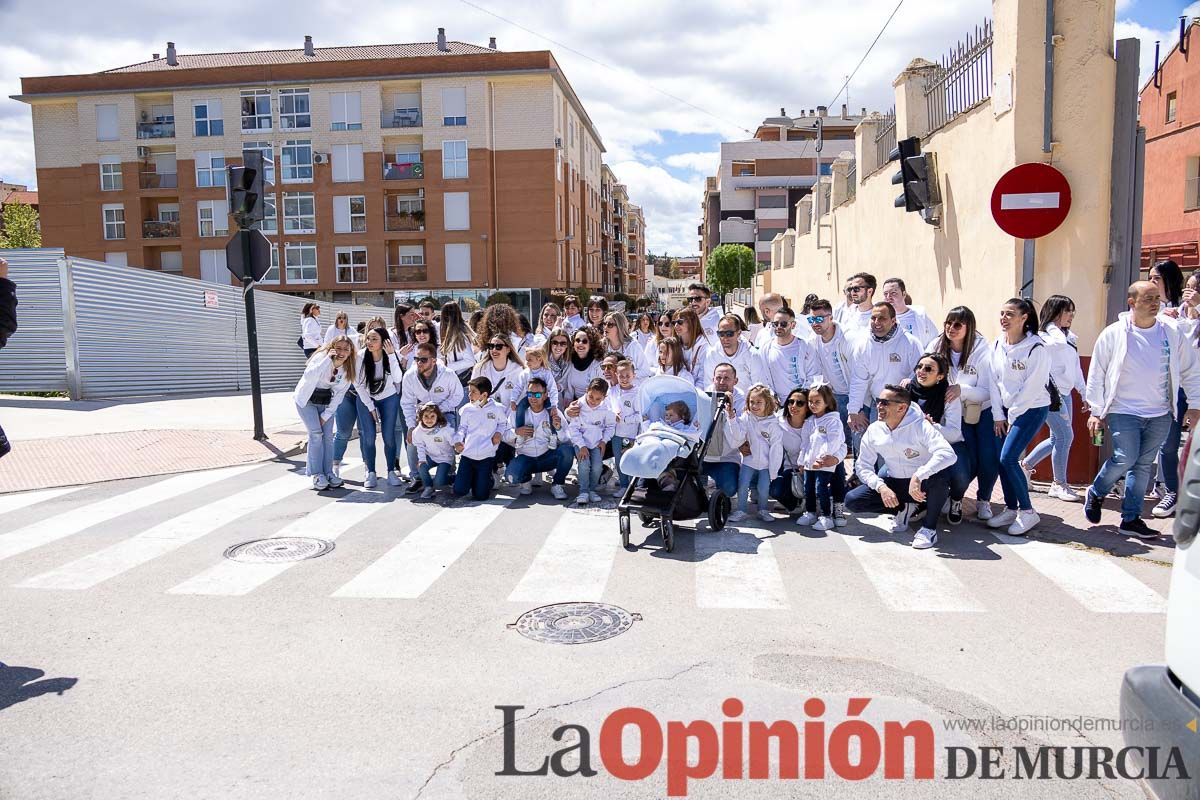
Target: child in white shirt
625 404
765 440
535 367
434 440
480 425
588 432
824 473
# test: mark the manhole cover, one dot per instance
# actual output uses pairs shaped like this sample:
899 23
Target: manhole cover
574 623
274 551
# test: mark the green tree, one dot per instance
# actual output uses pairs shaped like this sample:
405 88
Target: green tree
20 226
498 298
730 266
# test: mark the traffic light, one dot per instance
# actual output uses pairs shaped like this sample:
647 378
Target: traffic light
918 176
246 190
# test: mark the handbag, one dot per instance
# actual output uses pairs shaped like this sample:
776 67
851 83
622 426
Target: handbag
971 412
1055 396
321 397
300 342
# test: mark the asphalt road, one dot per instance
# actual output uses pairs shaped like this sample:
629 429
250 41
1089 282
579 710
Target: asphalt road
139 662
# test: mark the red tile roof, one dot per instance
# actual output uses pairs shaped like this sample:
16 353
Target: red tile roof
28 198
270 57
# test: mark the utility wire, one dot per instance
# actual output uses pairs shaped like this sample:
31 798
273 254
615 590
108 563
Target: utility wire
879 35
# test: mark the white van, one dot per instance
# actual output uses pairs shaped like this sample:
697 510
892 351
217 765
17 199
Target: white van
1165 699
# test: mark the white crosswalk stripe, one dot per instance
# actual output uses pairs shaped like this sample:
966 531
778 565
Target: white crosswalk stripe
69 523
737 569
908 579
574 563
412 566
1095 581
10 503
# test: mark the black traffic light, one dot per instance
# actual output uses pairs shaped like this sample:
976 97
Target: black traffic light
246 190
911 175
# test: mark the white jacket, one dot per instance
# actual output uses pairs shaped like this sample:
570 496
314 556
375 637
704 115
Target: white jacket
1021 372
1109 353
635 353
434 445
477 426
522 384
628 408
825 436
708 322
333 331
950 425
392 381
833 361
310 330
917 322
746 361
728 437
446 391
594 426
974 379
785 367
915 448
319 374
504 383
1065 367
460 359
765 438
795 442
575 382
877 364
544 436
696 360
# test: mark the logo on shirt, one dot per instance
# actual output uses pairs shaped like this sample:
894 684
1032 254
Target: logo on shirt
894 358
491 415
438 390
910 453
1019 366
969 370
438 439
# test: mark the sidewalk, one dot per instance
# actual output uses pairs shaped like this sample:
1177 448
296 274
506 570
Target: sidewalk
58 442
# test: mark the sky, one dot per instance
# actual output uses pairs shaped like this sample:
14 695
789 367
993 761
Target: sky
665 81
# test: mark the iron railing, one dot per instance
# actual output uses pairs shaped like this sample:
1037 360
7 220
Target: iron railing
158 180
962 80
411 171
885 139
156 130
399 118
160 229
852 181
406 273
393 221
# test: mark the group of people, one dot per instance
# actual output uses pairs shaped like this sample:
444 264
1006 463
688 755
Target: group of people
924 410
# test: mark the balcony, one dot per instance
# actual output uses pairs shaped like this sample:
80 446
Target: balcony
400 118
158 180
160 230
393 221
156 130
406 273
403 172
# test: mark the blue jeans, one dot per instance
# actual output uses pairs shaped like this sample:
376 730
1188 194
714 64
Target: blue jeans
410 452
960 473
619 444
1135 442
320 440
724 474
590 468
983 448
346 417
474 476
1168 462
936 487
1012 477
781 490
822 489
843 411
437 478
388 408
1059 442
522 467
748 476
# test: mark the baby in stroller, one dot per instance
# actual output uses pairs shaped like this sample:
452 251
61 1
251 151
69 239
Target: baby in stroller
673 411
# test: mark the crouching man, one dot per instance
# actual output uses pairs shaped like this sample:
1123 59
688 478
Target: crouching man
537 443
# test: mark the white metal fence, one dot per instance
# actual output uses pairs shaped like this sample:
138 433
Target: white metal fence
95 330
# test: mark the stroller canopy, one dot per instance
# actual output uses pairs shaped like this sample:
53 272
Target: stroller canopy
656 392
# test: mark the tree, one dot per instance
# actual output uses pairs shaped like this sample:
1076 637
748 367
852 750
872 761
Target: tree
730 266
20 226
666 267
498 298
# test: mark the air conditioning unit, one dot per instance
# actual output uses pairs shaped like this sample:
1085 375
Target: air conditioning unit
558 142
320 158
143 152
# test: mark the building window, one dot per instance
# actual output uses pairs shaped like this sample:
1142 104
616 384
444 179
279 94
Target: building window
107 129
212 267
764 201
297 161
1172 105
207 116
350 214
272 275
458 262
410 204
454 107
213 219
270 220
301 262
457 208
295 113
117 259
110 174
345 111
256 110
351 264
454 159
210 168
299 213
347 162
114 221
1191 186
268 156
412 255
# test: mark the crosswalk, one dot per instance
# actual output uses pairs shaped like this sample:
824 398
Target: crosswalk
390 549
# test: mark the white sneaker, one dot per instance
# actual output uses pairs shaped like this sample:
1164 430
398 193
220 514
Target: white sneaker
737 516
903 517
823 524
595 497
983 510
1005 518
427 492
335 482
393 479
839 515
807 518
1024 523
527 487
765 516
924 539
370 481
582 500
558 492
320 482
1064 493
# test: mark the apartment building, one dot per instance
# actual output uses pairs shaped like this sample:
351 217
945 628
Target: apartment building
1171 117
635 251
608 255
620 229
394 171
754 194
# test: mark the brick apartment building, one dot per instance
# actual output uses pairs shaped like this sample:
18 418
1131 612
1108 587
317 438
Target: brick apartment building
753 196
399 171
623 249
1170 113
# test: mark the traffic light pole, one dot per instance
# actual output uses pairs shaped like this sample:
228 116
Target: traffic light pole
252 340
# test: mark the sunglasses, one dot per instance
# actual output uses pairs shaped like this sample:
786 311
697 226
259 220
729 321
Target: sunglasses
696 299
956 325
559 344
549 315
726 334
679 323
422 359
884 403
582 341
926 368
495 346
797 402
610 324
780 324
816 320
535 395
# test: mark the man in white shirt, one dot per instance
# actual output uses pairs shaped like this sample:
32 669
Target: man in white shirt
1138 365
768 305
834 357
910 318
786 360
700 300
860 294
723 460
887 354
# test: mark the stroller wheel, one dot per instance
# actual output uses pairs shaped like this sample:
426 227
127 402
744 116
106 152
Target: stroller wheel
668 534
718 510
623 522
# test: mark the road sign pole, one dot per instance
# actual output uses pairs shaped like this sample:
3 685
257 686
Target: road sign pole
1027 268
252 341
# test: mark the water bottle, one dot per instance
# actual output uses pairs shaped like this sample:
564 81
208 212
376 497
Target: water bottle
1098 437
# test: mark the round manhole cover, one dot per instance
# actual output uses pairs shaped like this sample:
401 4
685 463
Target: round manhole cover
574 623
274 551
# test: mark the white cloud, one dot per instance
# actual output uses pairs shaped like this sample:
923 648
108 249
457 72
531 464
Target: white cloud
704 163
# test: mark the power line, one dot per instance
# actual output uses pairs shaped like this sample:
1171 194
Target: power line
879 35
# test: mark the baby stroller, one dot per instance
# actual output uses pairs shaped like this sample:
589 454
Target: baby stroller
665 463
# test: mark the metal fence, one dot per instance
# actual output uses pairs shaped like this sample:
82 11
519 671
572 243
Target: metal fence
96 330
962 80
852 181
885 139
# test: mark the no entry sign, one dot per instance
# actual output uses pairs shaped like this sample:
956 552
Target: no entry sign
1031 200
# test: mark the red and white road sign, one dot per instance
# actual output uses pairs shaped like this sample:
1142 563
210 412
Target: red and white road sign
1031 200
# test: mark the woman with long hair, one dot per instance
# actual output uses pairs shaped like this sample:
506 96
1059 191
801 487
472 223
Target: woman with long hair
643 330
1167 276
696 347
499 319
617 339
1021 367
929 388
340 327
378 389
327 377
403 318
597 310
558 357
788 486
969 356
551 317
587 350
670 360
422 331
664 326
501 364
457 348
310 329
1058 312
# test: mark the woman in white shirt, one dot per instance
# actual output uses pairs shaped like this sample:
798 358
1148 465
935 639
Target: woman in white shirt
340 327
326 379
696 346
617 339
501 364
587 350
550 318
930 387
1178 309
310 329
378 388
457 349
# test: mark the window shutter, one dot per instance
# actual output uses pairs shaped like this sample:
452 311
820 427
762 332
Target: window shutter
454 102
353 108
458 262
107 129
341 214
457 207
